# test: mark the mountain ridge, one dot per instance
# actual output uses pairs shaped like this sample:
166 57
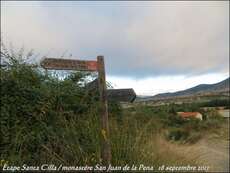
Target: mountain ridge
201 89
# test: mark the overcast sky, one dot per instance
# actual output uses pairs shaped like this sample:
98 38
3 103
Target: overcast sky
149 46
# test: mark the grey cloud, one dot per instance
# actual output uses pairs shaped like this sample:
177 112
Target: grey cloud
137 39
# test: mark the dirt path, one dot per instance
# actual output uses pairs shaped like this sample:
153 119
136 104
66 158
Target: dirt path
213 153
212 150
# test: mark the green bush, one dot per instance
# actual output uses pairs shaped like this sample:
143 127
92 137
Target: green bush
45 119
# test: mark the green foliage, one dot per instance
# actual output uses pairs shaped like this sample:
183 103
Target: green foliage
178 128
193 127
216 103
45 119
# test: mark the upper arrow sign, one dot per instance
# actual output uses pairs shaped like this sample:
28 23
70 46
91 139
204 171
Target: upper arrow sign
69 64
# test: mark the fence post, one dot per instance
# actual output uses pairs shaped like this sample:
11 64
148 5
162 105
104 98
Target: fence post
104 133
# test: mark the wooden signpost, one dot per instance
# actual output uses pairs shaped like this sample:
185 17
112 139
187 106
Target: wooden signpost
82 65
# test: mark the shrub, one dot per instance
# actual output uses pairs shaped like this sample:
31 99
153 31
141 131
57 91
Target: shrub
177 134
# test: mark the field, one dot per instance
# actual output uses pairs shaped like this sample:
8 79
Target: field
207 143
48 120
212 150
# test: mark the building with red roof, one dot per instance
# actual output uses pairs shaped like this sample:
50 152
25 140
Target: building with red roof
190 115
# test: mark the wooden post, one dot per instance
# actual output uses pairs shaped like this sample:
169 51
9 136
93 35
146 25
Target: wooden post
105 142
46 72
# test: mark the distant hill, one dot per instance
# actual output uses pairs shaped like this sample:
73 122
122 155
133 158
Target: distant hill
202 89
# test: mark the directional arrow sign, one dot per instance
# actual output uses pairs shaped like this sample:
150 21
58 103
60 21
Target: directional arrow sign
120 95
69 64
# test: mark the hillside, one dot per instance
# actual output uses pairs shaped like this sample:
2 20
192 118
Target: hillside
202 89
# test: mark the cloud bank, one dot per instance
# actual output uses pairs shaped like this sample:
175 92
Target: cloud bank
138 39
